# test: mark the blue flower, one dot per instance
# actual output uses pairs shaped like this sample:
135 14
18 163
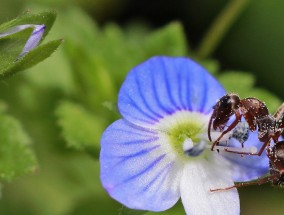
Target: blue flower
159 152
33 40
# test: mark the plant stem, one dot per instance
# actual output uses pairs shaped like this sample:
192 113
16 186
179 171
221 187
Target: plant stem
219 28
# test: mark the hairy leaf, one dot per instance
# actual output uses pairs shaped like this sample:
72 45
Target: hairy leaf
81 129
16 157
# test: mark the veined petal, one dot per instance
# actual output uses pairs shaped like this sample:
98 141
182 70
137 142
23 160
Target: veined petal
164 85
197 180
138 169
247 167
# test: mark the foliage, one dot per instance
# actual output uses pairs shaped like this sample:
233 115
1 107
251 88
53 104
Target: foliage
16 156
68 100
12 45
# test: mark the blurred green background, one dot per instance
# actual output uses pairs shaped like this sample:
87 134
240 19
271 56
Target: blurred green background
77 88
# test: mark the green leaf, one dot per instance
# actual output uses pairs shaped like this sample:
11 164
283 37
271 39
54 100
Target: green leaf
46 18
80 128
83 31
33 57
3 106
210 65
89 69
11 46
16 158
237 82
126 211
104 56
169 40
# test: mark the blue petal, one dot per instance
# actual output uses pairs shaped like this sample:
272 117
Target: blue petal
34 39
136 170
164 85
248 167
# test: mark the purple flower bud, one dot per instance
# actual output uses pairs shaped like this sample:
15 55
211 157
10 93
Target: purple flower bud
33 40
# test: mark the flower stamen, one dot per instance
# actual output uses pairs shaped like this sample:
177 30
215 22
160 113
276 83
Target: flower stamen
185 131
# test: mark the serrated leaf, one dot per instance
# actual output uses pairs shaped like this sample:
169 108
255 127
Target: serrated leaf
33 57
80 128
127 211
16 158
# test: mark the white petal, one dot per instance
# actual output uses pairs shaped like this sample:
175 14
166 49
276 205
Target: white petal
198 178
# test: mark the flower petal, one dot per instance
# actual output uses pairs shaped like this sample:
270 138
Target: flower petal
164 85
33 40
247 167
198 178
137 168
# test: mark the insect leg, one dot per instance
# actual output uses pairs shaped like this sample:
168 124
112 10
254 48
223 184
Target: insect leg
244 184
233 125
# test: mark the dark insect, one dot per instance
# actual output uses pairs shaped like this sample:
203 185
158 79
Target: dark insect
258 118
255 114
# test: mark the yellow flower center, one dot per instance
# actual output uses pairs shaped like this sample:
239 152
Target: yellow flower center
186 133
